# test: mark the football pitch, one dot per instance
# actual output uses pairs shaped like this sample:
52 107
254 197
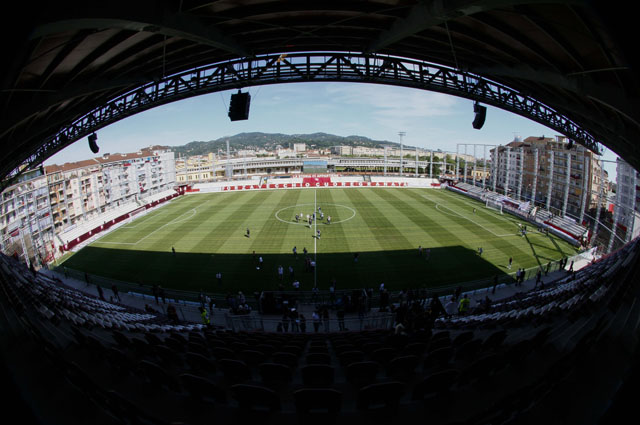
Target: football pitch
380 228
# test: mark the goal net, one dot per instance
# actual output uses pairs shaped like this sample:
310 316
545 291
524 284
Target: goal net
494 205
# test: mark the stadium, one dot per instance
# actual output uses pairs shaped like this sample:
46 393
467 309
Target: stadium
341 289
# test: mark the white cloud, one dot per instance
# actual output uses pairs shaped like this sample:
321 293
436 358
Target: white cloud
394 102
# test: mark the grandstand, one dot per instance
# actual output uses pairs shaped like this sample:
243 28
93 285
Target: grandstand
559 348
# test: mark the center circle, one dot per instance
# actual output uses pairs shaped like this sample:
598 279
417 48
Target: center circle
305 210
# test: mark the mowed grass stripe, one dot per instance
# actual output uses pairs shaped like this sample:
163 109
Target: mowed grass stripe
436 235
496 249
231 222
383 229
487 218
272 231
334 234
124 236
208 233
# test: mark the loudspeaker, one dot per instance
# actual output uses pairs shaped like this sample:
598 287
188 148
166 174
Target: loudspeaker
93 138
481 114
570 144
239 106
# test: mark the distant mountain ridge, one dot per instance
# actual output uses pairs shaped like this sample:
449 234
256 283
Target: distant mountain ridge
269 141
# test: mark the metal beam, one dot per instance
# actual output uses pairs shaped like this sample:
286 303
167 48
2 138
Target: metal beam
428 14
298 67
140 16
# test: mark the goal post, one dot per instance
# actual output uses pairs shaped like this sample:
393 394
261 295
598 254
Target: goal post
494 205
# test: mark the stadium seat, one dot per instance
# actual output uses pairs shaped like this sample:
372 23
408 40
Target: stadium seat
265 349
467 350
462 338
155 377
152 339
383 355
317 375
381 398
254 401
251 357
318 358
495 340
415 348
317 405
119 362
223 353
348 357
274 374
168 357
293 349
175 345
286 359
197 347
435 384
234 371
403 367
361 374
438 358
200 364
202 389
121 339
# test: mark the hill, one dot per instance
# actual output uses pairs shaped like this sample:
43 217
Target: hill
270 141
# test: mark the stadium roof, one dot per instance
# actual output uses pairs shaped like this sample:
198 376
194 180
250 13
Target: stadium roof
63 59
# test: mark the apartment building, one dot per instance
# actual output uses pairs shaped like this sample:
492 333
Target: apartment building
26 221
80 191
559 175
627 208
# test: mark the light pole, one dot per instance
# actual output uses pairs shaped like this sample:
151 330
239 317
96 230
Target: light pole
401 134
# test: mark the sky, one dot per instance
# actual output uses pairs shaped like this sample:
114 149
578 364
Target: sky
430 120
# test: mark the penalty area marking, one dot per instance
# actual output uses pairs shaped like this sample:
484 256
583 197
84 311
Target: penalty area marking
353 213
176 220
438 205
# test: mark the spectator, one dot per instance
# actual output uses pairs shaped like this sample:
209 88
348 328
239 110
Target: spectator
100 293
114 289
172 314
463 306
341 319
316 320
303 323
451 307
204 315
325 318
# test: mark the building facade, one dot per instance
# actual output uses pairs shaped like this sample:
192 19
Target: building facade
558 175
56 198
627 208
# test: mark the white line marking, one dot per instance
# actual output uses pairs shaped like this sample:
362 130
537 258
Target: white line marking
176 220
437 205
306 224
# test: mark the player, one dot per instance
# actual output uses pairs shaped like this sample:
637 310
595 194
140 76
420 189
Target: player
474 210
174 251
329 219
318 234
248 233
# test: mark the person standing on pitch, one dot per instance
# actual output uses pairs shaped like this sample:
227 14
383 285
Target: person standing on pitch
510 262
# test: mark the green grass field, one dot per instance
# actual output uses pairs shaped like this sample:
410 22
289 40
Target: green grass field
384 226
